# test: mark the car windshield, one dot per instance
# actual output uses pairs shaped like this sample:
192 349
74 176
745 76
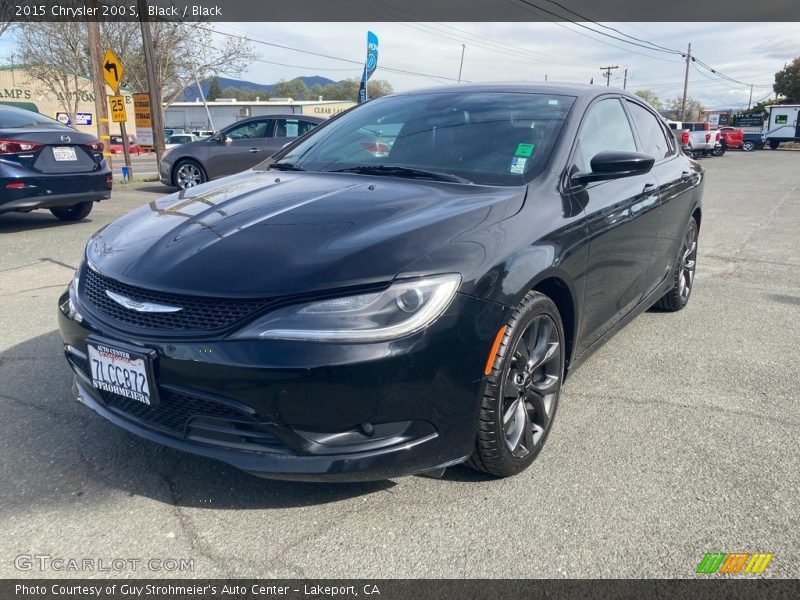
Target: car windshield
179 139
19 117
495 138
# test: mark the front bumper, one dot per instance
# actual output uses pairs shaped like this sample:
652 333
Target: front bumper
304 411
165 171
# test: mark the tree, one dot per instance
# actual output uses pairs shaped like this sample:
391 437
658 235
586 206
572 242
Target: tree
295 89
184 52
378 87
214 91
787 81
650 97
6 16
694 108
56 56
347 90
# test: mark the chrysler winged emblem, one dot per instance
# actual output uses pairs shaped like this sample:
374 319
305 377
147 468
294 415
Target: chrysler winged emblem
145 307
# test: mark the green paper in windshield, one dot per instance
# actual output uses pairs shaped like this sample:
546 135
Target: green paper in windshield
524 150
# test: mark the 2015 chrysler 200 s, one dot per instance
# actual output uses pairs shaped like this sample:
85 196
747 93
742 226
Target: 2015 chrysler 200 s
402 290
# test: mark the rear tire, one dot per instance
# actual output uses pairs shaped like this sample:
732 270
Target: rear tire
682 272
522 391
73 213
774 144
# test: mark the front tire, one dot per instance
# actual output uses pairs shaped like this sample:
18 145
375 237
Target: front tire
522 391
774 144
188 173
682 272
748 146
73 213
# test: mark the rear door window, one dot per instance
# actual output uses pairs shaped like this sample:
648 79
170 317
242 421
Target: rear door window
651 134
292 128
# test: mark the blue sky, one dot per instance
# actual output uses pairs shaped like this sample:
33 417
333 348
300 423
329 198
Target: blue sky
748 52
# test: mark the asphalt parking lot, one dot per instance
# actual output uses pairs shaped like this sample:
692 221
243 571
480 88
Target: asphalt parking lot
678 438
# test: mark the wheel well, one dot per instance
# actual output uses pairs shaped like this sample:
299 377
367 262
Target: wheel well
559 293
697 214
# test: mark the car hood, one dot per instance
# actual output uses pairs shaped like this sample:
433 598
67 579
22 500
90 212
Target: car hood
264 233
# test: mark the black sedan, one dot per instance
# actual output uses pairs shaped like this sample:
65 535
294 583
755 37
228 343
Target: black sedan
44 164
402 290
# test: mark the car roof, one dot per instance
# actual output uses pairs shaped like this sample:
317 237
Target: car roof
564 89
280 116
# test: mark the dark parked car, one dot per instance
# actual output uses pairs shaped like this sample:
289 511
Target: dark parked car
233 149
753 141
44 164
347 314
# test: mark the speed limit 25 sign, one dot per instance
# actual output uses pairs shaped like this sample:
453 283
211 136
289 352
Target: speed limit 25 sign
118 114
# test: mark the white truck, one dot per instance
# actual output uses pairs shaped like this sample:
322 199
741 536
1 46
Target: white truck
782 125
696 138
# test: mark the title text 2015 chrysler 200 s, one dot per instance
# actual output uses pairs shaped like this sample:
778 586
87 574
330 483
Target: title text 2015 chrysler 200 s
402 290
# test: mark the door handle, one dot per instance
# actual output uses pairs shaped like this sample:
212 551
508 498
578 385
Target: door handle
255 149
649 187
686 175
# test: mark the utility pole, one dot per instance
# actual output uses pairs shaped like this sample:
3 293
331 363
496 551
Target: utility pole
625 80
461 66
203 99
152 87
607 73
99 85
686 82
750 102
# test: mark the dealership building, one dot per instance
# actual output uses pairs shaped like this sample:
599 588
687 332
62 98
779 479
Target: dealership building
18 88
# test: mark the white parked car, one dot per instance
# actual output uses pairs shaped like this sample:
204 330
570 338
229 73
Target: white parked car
179 138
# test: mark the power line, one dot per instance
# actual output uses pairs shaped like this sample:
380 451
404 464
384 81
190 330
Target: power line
329 56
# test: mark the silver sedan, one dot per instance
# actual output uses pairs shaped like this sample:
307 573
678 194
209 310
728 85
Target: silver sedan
235 148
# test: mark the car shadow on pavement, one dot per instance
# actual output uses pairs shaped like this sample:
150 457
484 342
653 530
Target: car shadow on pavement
37 219
161 190
57 451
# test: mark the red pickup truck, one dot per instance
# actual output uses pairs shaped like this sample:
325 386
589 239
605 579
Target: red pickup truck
731 137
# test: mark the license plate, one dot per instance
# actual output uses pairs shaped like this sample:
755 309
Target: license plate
122 372
63 153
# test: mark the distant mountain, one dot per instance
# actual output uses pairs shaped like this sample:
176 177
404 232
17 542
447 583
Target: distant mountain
190 94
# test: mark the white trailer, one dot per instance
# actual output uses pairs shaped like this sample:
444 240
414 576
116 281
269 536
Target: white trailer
782 125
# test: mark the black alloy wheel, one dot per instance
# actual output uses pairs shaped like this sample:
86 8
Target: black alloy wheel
523 389
683 272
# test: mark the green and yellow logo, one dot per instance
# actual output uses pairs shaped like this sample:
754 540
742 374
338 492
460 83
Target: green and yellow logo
736 562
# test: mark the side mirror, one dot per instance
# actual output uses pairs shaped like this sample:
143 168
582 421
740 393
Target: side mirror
614 164
220 138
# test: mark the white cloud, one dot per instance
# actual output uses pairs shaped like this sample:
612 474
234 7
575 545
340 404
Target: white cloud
529 51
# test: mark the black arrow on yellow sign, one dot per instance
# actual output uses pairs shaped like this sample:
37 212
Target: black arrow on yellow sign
109 66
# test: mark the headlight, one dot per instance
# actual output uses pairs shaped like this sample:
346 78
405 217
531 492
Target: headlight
408 305
71 310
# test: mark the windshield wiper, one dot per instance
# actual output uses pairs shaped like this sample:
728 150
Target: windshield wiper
411 173
285 167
